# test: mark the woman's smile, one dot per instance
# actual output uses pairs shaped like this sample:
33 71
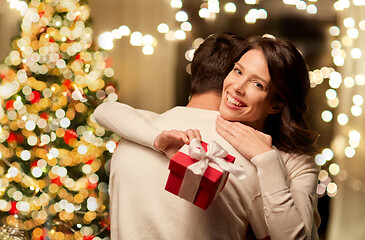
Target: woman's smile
234 101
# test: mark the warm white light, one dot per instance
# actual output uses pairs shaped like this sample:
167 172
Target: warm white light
290 2
213 6
204 13
327 154
334 169
362 24
176 3
196 43
163 28
353 33
354 135
336 44
316 76
360 79
356 53
342 119
13 172
333 103
230 7
180 35
319 160
136 39
92 204
311 9
125 30
251 2
301 5
82 149
251 16
117 34
147 39
30 125
336 52
189 54
334 31
147 50
358 2
110 145
349 22
186 26
356 110
331 94
327 116
335 80
181 16
350 152
106 40
332 189
349 82
358 100
339 61
262 14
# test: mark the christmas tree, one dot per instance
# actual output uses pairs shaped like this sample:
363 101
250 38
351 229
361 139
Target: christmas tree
53 167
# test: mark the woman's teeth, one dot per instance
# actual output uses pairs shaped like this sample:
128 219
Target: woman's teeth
233 101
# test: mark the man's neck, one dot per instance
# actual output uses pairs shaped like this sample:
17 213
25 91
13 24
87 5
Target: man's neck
207 101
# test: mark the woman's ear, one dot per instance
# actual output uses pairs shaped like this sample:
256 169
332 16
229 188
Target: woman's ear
276 107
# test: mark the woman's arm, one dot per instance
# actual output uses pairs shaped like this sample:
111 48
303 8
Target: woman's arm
289 195
288 189
127 122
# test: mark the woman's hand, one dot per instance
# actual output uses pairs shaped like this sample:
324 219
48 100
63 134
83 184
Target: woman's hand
169 142
248 141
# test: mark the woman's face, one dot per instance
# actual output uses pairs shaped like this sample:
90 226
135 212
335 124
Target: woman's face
245 96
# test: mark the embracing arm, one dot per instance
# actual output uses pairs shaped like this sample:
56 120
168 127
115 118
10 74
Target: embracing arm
288 188
127 122
289 195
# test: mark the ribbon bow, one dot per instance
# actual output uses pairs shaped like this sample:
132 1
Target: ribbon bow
215 155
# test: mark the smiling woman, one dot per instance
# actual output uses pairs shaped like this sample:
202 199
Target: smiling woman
263 107
268 90
246 91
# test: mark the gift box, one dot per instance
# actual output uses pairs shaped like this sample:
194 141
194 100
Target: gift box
202 184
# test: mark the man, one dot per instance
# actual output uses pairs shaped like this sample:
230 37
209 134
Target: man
140 207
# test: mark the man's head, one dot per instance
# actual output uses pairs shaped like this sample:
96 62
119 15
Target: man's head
212 61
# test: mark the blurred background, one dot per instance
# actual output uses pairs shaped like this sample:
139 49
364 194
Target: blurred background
151 44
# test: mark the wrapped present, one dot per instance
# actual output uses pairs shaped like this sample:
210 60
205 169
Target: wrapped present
199 171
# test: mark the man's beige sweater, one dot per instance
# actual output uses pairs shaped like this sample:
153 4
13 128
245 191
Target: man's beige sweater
277 198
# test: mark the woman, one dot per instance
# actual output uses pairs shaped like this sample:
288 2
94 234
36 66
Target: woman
264 100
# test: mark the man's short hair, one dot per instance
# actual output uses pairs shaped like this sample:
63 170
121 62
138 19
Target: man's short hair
213 60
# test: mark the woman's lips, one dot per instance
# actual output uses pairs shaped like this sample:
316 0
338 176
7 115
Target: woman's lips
234 101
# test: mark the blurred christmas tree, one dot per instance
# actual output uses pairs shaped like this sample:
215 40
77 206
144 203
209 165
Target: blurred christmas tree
53 167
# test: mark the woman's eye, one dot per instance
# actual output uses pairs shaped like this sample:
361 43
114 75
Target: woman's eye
237 71
259 85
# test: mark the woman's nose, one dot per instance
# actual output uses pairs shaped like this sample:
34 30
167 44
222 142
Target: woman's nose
240 87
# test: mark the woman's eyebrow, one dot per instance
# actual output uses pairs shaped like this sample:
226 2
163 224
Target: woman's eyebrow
254 75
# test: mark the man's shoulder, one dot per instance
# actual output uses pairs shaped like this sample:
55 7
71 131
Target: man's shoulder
188 111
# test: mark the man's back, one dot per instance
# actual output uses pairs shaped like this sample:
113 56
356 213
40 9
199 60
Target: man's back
142 209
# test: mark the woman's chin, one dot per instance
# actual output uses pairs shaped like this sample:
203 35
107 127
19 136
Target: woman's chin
226 115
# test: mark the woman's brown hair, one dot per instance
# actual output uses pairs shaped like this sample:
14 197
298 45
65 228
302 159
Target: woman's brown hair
290 83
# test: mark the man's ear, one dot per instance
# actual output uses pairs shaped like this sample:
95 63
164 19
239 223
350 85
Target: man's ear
276 107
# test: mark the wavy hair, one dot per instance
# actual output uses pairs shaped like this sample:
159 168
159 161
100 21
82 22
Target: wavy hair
290 85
